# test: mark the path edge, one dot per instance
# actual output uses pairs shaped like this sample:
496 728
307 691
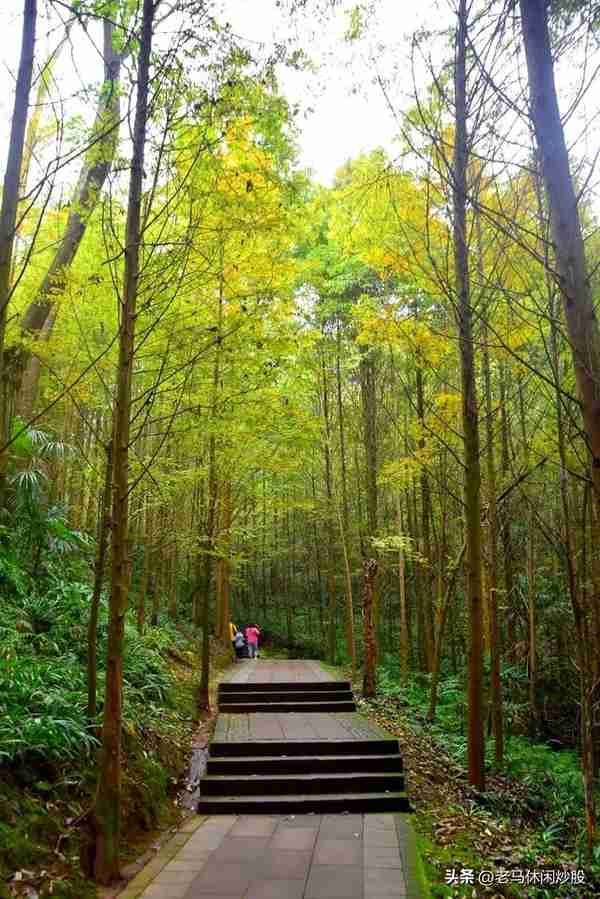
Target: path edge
166 853
417 886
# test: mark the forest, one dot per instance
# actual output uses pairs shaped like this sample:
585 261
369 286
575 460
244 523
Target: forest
365 415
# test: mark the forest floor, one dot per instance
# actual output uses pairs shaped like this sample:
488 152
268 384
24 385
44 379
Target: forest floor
458 828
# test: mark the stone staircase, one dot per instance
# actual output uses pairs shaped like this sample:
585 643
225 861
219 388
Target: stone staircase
318 696
299 776
272 777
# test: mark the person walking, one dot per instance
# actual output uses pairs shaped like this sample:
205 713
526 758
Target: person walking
233 629
252 635
238 645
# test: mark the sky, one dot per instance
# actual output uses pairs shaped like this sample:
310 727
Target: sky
343 109
343 112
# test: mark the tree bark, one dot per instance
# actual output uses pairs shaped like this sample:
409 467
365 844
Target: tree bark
103 535
223 599
404 637
345 518
470 415
573 277
10 201
204 686
442 617
107 811
427 570
370 670
331 631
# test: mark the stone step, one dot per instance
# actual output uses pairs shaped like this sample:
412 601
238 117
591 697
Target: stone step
284 748
301 784
325 686
275 707
304 764
285 696
323 803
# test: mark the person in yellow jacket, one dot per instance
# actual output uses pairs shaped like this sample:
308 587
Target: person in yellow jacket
232 632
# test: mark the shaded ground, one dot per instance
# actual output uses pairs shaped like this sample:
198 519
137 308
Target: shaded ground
459 827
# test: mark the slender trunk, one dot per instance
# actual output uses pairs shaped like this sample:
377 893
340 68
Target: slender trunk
173 561
107 810
369 416
427 570
370 669
404 641
331 632
145 579
440 628
345 516
223 599
470 415
103 535
367 388
204 686
350 644
10 202
492 556
506 518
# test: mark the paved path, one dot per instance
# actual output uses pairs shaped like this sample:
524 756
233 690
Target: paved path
342 856
275 671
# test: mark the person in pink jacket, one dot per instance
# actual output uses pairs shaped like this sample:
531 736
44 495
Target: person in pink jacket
252 635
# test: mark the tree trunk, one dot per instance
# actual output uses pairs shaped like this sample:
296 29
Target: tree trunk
10 203
103 534
224 614
146 565
404 638
369 416
506 519
470 415
492 557
107 811
370 670
331 632
204 686
345 517
427 569
440 629
573 277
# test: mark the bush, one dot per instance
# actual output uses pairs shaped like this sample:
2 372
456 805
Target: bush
42 709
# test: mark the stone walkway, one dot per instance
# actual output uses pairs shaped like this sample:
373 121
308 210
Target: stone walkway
276 857
303 856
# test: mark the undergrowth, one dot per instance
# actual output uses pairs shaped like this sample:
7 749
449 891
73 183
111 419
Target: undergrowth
48 747
553 778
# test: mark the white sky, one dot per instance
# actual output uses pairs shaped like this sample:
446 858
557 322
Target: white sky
350 113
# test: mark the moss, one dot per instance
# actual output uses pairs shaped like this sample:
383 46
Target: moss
146 791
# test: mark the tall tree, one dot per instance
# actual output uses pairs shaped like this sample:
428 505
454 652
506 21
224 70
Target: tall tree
470 414
573 276
10 196
107 810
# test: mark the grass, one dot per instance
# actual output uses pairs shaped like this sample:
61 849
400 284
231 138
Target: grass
47 746
537 794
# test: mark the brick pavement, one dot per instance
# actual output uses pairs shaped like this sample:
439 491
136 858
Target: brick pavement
343 856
